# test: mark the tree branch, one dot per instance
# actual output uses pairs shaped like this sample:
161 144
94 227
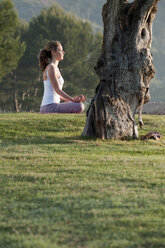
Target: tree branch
141 8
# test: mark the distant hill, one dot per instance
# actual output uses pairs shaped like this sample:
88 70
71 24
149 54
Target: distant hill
85 9
91 10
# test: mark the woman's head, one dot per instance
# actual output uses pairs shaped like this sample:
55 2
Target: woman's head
52 49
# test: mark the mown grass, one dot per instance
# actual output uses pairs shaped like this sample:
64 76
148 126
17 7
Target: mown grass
58 189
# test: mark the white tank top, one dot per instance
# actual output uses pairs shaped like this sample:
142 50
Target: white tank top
50 95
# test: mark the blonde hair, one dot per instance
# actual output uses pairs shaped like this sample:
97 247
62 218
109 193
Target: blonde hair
45 55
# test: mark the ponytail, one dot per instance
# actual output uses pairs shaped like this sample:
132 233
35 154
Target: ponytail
44 57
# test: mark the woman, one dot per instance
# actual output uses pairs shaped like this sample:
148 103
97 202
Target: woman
49 58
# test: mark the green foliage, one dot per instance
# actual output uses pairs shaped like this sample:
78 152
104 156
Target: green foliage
58 189
23 85
82 48
11 85
11 49
91 10
8 17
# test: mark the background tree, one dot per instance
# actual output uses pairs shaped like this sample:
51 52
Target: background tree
125 69
91 10
12 85
11 49
82 47
76 37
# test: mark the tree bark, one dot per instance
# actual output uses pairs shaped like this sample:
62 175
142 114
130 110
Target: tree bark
125 69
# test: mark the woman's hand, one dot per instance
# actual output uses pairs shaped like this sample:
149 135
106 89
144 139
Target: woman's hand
80 98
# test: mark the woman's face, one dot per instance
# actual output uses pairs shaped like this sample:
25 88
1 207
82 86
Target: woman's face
59 53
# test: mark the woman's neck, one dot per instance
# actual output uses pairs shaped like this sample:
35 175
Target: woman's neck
55 62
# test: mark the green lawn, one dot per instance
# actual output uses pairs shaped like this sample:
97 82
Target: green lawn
60 190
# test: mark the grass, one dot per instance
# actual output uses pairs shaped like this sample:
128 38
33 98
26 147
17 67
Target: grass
60 190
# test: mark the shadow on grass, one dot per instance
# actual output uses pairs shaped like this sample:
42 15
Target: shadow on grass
45 140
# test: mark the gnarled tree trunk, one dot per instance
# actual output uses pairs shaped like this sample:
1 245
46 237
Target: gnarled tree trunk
125 69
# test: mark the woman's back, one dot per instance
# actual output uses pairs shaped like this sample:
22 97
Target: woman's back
50 95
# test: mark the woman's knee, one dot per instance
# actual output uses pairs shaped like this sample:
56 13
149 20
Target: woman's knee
81 107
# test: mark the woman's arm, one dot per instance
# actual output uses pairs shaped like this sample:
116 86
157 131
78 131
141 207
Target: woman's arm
64 96
80 98
55 84
64 99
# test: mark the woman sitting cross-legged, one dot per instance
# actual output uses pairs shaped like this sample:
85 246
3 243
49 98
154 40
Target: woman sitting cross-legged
49 58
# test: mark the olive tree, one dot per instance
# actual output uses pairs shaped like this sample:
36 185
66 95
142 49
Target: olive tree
125 69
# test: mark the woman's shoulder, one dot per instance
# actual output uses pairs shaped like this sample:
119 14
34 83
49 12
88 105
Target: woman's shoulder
53 68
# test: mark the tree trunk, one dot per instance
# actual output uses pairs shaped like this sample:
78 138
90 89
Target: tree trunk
14 92
15 101
125 69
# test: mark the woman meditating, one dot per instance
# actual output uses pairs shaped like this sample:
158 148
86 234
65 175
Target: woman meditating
49 58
